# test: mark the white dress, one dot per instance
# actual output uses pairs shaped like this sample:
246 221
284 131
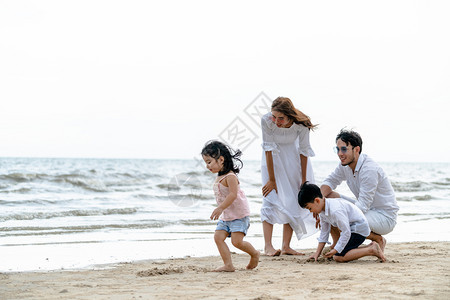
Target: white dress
286 145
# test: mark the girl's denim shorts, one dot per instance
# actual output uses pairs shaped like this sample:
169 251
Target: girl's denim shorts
238 225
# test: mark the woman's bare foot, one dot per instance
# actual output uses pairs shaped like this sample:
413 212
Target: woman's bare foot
254 260
290 251
272 251
377 251
225 269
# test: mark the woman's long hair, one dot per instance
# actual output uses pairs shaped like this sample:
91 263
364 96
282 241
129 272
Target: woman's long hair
285 106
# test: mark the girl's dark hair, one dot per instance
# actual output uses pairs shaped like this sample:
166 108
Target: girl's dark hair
350 137
231 162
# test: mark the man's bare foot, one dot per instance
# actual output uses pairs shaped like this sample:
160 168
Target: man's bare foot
254 260
272 252
290 251
225 269
377 251
383 244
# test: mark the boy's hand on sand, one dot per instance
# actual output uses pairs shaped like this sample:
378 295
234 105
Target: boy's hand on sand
216 213
268 187
330 254
313 257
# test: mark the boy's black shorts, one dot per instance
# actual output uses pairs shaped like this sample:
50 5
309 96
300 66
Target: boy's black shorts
355 240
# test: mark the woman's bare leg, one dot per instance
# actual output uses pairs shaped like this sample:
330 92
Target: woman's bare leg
287 236
268 247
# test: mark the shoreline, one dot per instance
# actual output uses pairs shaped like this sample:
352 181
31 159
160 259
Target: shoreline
419 269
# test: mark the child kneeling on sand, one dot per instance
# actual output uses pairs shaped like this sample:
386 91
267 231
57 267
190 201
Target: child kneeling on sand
232 211
344 215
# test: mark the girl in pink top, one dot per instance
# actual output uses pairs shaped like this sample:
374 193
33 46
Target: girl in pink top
232 206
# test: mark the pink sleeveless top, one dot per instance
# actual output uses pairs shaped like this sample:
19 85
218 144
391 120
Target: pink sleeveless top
239 208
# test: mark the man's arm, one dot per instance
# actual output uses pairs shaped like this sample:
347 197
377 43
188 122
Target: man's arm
332 181
325 190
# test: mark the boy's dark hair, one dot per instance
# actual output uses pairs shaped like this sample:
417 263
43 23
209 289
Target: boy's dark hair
231 162
350 137
308 192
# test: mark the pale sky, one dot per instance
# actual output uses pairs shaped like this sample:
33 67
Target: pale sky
157 79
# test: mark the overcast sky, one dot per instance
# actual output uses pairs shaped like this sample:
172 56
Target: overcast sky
157 79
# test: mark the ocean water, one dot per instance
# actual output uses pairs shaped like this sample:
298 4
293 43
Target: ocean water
78 213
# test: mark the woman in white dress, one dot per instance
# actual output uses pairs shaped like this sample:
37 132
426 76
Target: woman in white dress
284 167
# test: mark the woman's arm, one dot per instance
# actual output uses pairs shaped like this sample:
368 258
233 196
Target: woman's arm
271 184
303 164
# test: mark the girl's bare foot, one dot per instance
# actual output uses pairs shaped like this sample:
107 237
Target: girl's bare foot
290 251
254 260
272 252
225 269
378 252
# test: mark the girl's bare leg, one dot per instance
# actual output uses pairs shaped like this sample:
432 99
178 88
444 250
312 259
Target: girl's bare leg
287 235
237 239
219 238
371 250
268 247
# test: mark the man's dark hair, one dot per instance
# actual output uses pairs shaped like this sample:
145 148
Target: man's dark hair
350 137
308 192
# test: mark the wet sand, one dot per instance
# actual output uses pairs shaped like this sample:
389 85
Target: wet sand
412 270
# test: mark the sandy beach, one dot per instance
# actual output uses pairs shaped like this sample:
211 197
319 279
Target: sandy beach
413 270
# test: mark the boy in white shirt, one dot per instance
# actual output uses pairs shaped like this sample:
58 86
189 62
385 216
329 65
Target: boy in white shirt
346 217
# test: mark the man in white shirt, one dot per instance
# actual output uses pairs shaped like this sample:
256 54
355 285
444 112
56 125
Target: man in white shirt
369 184
346 217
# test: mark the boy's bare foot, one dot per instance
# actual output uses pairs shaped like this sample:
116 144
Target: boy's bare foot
290 251
254 260
378 252
225 269
272 252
